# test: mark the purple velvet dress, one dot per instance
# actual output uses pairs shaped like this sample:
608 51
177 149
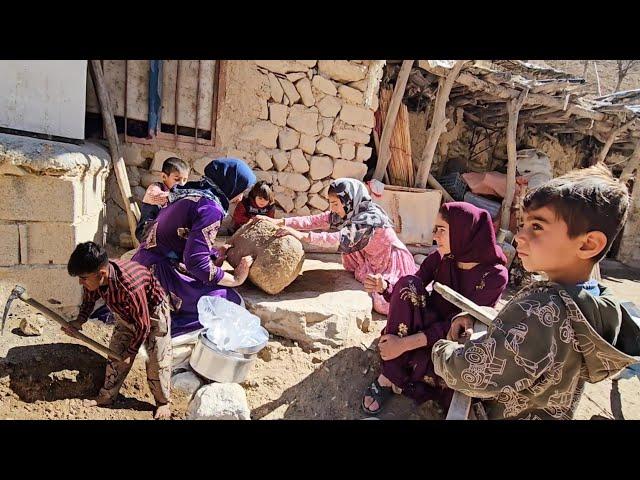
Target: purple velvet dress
413 309
184 232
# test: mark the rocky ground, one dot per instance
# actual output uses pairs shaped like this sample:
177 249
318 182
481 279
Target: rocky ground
47 376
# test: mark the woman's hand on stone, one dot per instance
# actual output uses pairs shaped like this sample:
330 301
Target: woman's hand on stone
375 283
284 231
391 346
241 272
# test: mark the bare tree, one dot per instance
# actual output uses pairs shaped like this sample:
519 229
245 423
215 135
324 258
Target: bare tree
624 67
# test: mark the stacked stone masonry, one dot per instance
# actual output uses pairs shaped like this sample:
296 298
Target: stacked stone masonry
297 123
53 199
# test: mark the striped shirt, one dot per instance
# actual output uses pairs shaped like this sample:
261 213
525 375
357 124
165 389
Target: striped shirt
131 292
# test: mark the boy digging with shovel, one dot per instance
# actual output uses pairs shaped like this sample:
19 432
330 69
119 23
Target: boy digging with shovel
142 316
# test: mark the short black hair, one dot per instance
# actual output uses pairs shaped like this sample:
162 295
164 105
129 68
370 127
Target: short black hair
174 164
587 200
88 257
262 189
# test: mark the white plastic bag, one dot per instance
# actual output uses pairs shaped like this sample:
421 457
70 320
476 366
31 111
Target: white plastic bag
229 326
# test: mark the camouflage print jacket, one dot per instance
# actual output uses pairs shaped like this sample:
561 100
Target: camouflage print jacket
534 359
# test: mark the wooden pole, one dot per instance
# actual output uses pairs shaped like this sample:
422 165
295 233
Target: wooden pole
513 109
584 72
435 184
612 138
376 142
476 85
384 153
109 123
438 124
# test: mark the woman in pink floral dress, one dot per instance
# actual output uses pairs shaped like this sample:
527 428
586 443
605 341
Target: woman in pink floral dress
362 232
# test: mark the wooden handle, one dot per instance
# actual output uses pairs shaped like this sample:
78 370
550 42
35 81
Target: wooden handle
463 303
98 347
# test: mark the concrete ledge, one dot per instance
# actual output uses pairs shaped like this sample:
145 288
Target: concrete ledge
33 155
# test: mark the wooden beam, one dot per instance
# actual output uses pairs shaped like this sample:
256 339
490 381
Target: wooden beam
475 84
438 124
459 407
384 153
513 107
612 138
376 142
435 184
632 165
109 123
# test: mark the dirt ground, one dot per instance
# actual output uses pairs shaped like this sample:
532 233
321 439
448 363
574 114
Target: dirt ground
47 376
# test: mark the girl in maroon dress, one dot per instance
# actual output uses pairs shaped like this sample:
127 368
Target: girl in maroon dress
467 260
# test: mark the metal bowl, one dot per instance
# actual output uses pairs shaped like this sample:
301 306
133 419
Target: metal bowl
217 365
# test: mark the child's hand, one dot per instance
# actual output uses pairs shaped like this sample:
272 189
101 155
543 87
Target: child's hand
222 254
391 346
375 283
461 329
224 249
241 272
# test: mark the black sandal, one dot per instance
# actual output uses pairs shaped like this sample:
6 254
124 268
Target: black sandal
379 394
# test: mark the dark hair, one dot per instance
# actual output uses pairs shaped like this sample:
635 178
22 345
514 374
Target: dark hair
174 164
88 257
263 190
587 200
332 189
444 212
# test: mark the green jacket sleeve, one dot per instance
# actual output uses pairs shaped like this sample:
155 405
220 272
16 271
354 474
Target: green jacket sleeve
522 348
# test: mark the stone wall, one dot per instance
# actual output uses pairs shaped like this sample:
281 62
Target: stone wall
52 199
297 123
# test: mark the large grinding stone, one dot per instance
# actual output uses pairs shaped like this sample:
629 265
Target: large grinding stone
277 261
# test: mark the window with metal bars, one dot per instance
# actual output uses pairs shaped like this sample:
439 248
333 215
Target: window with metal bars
169 103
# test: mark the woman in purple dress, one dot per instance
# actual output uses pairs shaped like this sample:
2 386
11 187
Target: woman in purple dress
179 247
467 260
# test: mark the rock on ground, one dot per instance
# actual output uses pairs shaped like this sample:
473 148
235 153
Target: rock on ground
32 326
188 382
219 401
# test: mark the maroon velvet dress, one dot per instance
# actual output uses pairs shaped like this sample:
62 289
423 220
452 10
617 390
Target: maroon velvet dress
413 309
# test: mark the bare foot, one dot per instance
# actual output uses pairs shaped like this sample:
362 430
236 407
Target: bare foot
370 404
99 401
163 412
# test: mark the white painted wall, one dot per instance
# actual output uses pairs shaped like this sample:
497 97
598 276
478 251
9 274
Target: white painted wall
44 96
